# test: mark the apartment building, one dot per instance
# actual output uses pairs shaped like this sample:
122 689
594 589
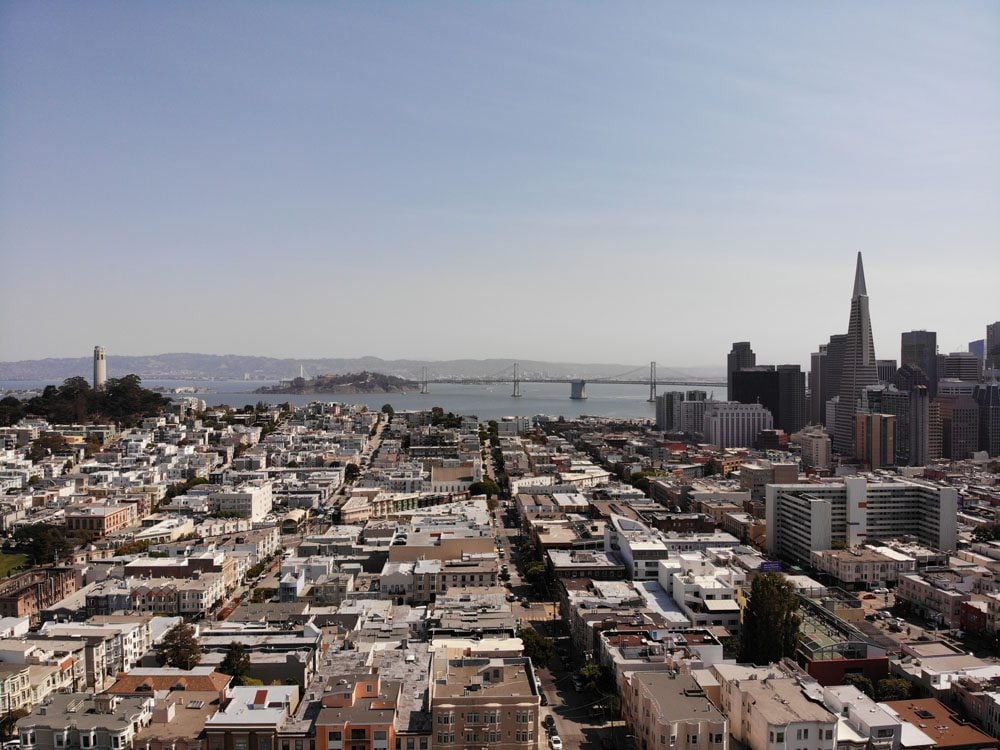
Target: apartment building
98 519
768 710
480 701
936 595
865 567
707 594
82 720
27 594
864 724
670 710
358 711
803 518
252 718
252 500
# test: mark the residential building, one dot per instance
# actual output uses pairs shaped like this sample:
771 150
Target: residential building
815 444
669 710
803 518
668 410
358 710
252 718
874 436
83 720
478 702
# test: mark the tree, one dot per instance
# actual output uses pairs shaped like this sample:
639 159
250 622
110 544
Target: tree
179 648
387 409
43 543
861 682
236 663
771 621
986 533
485 487
537 647
46 445
893 689
351 472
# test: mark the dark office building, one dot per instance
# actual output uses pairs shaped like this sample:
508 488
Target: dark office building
740 356
824 375
959 426
988 398
886 370
963 366
781 390
909 377
919 348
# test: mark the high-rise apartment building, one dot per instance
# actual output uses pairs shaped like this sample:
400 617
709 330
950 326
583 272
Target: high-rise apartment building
667 412
919 348
100 368
993 346
875 439
692 416
815 444
739 357
782 391
730 424
859 369
806 517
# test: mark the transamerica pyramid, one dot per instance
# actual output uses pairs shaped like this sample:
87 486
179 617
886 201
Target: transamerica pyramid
859 369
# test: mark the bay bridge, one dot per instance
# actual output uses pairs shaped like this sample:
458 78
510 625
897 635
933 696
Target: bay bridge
578 386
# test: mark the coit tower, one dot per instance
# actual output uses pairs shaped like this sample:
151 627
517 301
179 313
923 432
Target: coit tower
100 368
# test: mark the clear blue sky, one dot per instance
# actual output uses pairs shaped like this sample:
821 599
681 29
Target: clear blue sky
564 181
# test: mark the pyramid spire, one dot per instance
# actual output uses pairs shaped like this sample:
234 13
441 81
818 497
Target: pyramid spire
859 280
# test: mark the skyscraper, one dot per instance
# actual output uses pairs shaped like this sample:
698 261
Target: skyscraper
100 368
739 357
667 411
886 370
962 366
919 348
978 347
988 398
782 391
859 370
993 346
824 376
920 426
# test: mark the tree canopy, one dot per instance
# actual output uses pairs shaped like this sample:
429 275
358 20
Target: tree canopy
485 487
537 647
43 543
237 663
771 621
179 648
122 400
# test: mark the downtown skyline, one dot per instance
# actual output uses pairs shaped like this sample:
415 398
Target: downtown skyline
422 182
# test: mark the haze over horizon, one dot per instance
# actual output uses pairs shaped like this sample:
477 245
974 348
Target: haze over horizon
584 183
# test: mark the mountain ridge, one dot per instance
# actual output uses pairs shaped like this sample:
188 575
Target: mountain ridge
196 366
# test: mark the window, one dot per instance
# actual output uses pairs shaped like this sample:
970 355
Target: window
829 733
693 739
781 737
717 739
334 735
381 734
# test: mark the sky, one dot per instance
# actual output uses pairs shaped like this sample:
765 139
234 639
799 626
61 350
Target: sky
590 182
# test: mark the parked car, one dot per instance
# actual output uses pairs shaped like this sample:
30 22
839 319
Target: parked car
556 742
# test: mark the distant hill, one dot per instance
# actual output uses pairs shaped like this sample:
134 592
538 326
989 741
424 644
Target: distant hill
186 366
361 382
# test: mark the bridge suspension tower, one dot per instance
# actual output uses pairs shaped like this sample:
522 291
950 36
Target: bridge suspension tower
652 382
517 384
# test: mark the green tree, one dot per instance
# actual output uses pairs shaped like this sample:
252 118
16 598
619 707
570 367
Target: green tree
387 409
771 621
861 682
43 543
537 647
236 663
46 445
351 472
485 487
893 689
986 533
179 648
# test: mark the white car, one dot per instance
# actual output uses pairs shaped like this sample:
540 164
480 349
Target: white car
556 742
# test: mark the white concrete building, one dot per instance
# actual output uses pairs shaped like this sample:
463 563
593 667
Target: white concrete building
806 517
730 424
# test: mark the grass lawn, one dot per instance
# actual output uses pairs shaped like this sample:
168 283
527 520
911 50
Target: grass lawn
10 563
